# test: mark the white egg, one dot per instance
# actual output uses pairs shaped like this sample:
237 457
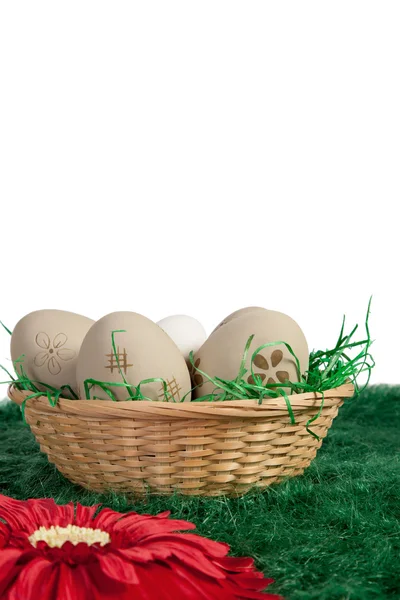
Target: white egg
187 333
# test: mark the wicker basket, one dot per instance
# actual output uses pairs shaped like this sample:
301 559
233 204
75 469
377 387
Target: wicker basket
197 448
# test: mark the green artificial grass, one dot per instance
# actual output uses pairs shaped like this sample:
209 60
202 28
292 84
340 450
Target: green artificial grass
331 534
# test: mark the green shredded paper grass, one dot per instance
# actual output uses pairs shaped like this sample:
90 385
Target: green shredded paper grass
328 369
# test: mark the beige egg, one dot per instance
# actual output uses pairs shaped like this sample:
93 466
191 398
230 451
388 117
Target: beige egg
222 353
240 313
50 341
144 351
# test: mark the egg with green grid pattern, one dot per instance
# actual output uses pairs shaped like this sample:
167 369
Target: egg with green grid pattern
122 350
45 345
222 353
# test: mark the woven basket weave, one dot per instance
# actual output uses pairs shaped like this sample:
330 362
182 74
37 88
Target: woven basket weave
195 448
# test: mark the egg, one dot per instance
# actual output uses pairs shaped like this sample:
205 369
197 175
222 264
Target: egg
144 351
240 313
222 353
187 333
50 341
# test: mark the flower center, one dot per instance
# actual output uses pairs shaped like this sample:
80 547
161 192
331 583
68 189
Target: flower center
56 536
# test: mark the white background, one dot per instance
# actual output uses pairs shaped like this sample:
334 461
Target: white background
198 157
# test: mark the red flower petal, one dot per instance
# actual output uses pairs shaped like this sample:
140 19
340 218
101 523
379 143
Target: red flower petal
4 535
29 515
40 579
46 513
8 567
167 583
209 588
237 564
12 511
169 542
85 514
73 584
114 567
107 518
163 550
104 588
140 528
231 587
156 582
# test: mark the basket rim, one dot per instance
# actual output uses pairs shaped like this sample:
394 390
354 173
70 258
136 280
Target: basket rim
237 408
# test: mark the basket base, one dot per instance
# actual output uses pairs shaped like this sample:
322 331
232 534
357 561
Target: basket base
195 449
140 488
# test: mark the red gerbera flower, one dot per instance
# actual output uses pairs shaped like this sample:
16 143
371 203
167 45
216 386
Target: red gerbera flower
56 552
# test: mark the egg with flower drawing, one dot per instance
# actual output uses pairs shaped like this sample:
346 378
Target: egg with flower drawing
125 350
221 355
45 346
